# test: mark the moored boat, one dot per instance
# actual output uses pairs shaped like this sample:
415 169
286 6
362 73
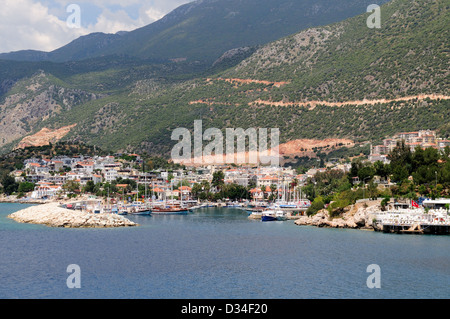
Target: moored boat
269 215
142 211
169 210
281 215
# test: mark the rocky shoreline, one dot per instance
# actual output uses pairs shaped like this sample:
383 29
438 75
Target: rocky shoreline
51 214
357 216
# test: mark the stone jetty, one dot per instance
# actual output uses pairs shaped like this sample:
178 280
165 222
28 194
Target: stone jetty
53 215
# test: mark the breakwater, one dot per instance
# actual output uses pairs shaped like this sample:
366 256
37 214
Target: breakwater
53 215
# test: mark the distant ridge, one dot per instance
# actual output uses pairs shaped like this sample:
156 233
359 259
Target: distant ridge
204 30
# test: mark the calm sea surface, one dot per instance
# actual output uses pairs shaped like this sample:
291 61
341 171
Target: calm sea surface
216 254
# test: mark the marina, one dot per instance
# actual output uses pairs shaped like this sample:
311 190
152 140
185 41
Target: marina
148 207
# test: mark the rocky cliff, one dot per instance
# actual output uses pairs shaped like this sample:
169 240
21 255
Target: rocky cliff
357 216
31 101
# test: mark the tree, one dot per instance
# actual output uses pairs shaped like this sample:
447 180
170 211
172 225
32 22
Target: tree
309 190
235 192
25 187
218 179
381 169
422 190
9 184
196 190
384 202
357 164
446 153
71 186
90 187
206 186
366 172
401 161
316 205
399 173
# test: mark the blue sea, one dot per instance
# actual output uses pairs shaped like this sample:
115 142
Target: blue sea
217 254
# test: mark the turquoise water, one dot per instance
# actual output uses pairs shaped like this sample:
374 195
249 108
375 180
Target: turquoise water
217 254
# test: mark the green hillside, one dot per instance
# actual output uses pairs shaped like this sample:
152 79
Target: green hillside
345 61
137 106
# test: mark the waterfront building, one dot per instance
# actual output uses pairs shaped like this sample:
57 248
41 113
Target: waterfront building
422 138
45 190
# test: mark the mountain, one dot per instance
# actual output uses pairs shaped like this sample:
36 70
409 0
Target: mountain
408 55
203 30
342 81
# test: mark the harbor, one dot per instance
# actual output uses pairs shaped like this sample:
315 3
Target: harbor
432 217
257 210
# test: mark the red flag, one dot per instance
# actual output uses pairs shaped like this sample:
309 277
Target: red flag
414 204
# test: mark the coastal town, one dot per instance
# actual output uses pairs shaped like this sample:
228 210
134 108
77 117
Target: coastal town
50 177
225 157
116 183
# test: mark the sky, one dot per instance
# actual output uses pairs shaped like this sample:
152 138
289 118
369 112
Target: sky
46 25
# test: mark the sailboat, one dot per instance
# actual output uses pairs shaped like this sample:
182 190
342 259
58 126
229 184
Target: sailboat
171 208
139 208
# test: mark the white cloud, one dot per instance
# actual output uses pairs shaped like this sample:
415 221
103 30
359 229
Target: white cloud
154 14
41 25
112 22
25 24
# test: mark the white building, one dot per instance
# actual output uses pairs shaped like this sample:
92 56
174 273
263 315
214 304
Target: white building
45 190
110 175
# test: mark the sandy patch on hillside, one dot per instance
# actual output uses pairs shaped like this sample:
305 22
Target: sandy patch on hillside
44 137
312 104
285 151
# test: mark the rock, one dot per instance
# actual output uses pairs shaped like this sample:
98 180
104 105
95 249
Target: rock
338 223
303 220
54 216
358 216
